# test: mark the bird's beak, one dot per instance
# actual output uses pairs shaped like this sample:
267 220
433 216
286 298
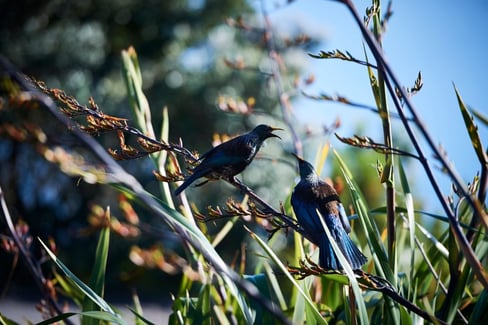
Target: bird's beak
299 161
297 156
275 135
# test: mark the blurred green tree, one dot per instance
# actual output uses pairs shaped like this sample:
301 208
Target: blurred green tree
189 52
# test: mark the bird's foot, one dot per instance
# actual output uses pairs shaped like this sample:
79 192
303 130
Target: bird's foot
201 183
373 282
272 231
308 267
243 187
301 272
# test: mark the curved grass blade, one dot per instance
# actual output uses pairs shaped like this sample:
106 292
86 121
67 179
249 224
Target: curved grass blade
95 315
137 311
310 307
408 198
142 112
138 101
358 297
273 282
410 213
191 233
472 131
371 231
479 314
97 280
99 301
483 118
372 234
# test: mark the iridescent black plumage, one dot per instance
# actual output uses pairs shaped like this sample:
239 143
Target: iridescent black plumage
312 194
230 158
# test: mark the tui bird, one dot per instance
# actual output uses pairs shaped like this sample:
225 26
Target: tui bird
230 158
312 194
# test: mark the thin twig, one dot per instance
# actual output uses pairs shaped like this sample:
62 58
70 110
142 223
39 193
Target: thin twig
339 55
343 100
110 123
368 143
290 222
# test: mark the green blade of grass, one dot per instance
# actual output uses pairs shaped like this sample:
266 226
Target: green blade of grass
203 305
142 112
97 316
68 289
224 231
137 99
99 301
97 280
161 156
275 286
437 244
137 310
358 298
479 314
371 231
408 198
140 319
6 321
483 118
309 305
191 233
472 131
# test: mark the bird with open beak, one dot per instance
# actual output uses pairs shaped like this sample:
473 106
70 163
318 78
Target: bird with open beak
230 158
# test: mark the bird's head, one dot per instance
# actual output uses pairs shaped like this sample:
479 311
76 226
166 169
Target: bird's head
305 168
265 131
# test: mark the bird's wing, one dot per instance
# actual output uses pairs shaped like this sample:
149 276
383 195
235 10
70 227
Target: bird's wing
344 219
330 203
227 153
306 213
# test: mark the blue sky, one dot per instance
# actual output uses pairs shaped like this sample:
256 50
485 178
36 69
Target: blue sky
445 40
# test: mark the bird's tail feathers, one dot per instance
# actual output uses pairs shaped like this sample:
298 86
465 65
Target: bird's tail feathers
328 259
186 183
353 255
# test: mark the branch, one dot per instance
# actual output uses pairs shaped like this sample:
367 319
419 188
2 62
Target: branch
343 100
337 54
268 209
368 143
100 122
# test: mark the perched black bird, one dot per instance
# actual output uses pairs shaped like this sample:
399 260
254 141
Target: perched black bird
230 158
312 194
